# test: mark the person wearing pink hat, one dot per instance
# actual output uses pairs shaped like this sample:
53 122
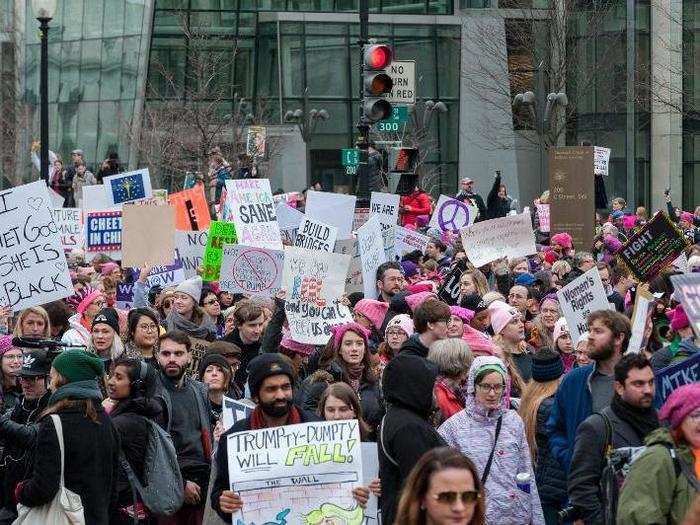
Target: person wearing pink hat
11 366
562 244
563 344
87 302
370 314
683 344
459 318
509 340
663 480
398 330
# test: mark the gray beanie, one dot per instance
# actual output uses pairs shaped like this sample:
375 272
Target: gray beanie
192 287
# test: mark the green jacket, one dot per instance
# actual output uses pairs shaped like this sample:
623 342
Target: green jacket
652 494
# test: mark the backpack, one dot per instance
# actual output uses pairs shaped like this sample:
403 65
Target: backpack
163 493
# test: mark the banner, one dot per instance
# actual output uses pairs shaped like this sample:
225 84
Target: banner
103 233
580 297
452 215
33 267
189 250
316 235
335 209
408 241
687 290
510 236
128 187
191 209
297 474
652 248
543 215
220 233
601 160
386 207
641 319
353 281
250 201
668 379
371 247
147 235
69 222
314 281
250 270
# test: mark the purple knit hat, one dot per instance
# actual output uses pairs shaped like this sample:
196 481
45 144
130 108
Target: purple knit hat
340 330
682 401
296 347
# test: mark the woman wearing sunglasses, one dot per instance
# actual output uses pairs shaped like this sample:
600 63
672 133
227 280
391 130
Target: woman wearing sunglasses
442 489
493 437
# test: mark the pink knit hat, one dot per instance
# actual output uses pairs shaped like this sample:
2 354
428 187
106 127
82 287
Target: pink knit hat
563 239
629 221
464 314
340 330
298 348
402 321
687 217
679 319
422 286
108 268
479 343
415 300
560 328
500 317
372 310
5 344
84 298
682 401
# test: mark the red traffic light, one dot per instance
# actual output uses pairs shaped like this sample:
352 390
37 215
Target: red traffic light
377 56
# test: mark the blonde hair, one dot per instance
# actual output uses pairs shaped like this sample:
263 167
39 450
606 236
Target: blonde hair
561 268
38 310
480 282
532 397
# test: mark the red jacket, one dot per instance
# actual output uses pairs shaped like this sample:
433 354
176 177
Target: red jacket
447 400
418 203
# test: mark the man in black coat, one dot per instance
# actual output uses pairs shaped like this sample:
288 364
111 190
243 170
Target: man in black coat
249 319
468 196
430 320
625 423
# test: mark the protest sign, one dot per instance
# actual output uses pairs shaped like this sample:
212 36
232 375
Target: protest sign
678 374
189 250
510 236
128 187
255 142
601 160
353 281
448 291
33 267
681 263
316 235
389 240
251 270
166 275
103 233
297 474
360 218
332 208
125 296
158 198
191 209
408 241
220 233
652 248
199 348
70 226
687 289
235 410
95 198
250 201
288 218
543 215
452 215
57 199
386 207
370 472
371 247
141 226
314 281
641 319
580 297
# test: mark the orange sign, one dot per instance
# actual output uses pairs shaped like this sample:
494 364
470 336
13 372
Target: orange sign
191 209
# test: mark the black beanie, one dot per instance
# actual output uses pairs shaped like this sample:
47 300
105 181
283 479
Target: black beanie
109 317
474 302
264 366
213 359
546 365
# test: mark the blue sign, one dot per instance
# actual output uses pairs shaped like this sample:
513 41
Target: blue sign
668 379
103 231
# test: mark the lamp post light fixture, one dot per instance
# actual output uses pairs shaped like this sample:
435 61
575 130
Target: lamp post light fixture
44 11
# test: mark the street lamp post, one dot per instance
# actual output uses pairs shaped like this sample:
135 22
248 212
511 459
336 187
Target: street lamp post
44 11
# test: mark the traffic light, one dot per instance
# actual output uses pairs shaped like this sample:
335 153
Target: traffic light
377 83
403 160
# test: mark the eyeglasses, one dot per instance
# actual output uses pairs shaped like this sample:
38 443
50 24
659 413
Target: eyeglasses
450 498
148 327
490 388
211 301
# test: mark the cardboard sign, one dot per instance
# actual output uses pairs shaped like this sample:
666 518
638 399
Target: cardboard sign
199 348
316 235
314 281
452 215
687 289
33 267
409 241
510 236
189 250
191 209
128 187
141 226
69 222
386 207
580 297
250 201
220 233
601 160
332 208
103 232
297 474
235 410
353 281
543 215
371 247
668 379
250 270
654 247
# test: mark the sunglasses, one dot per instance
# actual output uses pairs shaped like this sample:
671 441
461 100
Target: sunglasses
450 498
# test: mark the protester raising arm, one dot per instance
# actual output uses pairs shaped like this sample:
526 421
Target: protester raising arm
272 337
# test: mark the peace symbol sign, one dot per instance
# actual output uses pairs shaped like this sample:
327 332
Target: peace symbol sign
453 215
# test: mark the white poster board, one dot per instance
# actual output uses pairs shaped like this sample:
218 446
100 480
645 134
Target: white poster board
316 235
510 236
601 160
452 215
353 281
386 207
95 198
251 270
189 250
335 209
408 241
69 222
250 202
370 244
580 297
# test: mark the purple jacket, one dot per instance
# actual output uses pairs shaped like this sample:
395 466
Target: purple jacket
472 431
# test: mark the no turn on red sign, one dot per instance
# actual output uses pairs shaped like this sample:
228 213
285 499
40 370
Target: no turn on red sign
403 73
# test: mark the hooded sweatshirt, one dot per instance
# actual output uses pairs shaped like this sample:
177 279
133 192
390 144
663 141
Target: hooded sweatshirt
77 334
472 431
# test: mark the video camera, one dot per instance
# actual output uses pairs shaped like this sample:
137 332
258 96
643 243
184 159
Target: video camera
50 346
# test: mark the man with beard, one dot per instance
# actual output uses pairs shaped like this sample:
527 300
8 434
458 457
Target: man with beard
390 280
625 423
186 411
588 389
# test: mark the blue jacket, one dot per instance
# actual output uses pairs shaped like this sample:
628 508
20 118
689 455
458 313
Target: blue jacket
572 404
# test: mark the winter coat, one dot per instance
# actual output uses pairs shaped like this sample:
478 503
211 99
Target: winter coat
652 492
447 399
77 334
406 433
495 206
550 476
91 462
475 200
472 431
588 461
666 357
419 202
250 350
414 346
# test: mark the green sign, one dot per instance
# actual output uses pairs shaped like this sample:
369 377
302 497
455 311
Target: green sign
351 170
350 156
399 115
220 233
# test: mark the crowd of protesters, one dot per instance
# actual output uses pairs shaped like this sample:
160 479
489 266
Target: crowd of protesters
486 411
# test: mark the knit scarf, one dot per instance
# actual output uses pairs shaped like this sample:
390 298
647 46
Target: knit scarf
88 389
204 330
257 418
642 420
355 374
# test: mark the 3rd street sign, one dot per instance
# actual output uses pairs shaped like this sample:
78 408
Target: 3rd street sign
403 73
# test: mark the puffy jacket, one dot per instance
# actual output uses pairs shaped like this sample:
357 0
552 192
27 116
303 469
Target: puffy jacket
472 431
77 334
652 492
419 204
550 476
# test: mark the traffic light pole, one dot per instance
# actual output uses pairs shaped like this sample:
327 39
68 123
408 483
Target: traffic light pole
363 126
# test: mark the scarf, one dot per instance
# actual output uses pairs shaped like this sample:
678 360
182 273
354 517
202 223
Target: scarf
642 420
257 418
204 330
355 374
78 390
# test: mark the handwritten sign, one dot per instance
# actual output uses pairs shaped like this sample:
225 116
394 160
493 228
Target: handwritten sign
70 226
141 226
128 187
386 207
510 236
189 250
250 270
408 241
250 201
601 160
103 232
301 473
452 215
316 235
353 281
448 291
220 233
580 297
641 319
332 208
191 209
543 215
683 373
199 349
687 289
235 410
371 247
33 268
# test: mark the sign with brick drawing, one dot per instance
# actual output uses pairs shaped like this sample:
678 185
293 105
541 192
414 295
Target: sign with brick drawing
297 473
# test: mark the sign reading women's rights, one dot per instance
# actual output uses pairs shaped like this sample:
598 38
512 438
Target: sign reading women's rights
301 473
452 215
254 215
370 244
314 281
33 267
103 233
250 270
510 236
189 250
654 247
220 233
70 226
315 235
580 297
